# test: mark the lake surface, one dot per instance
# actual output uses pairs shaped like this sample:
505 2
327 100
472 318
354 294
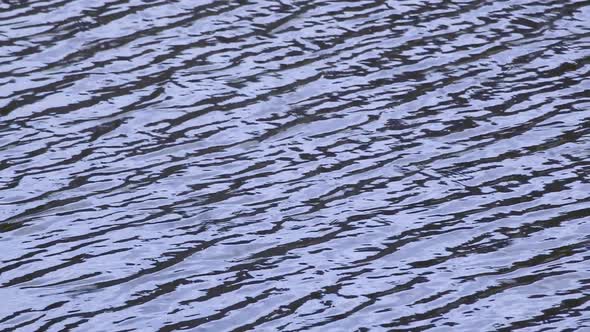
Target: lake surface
251 165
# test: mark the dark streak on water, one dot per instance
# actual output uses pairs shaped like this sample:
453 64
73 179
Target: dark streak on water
294 165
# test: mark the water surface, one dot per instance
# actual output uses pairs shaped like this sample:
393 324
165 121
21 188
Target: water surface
251 165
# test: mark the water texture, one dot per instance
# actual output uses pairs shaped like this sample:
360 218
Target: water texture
258 165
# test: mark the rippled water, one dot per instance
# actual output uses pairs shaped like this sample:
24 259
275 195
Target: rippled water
240 165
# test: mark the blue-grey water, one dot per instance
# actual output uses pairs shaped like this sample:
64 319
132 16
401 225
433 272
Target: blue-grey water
266 165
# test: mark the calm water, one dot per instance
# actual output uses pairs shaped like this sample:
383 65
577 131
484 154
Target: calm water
251 165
